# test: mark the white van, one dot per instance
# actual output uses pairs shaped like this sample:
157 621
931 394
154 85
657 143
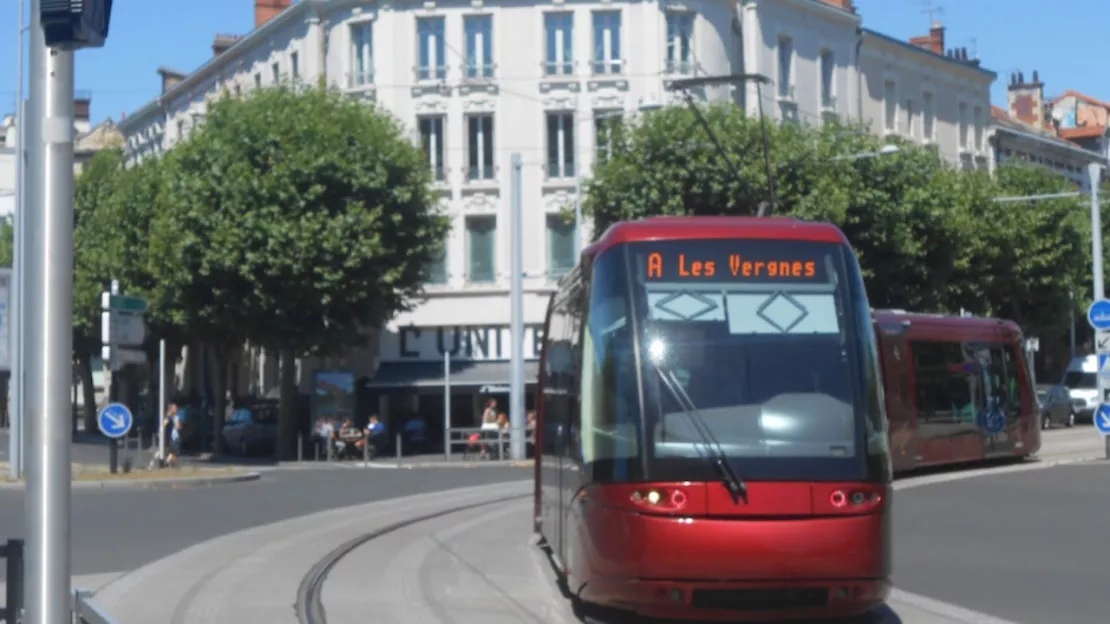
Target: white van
1082 382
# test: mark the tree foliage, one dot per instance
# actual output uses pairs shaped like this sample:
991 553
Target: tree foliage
929 237
296 219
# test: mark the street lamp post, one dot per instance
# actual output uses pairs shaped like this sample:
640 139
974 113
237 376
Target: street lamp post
643 108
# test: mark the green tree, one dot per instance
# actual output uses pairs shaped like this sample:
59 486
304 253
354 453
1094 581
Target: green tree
300 217
1023 257
7 243
113 208
888 205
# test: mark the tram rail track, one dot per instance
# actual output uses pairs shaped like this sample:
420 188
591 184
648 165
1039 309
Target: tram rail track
309 606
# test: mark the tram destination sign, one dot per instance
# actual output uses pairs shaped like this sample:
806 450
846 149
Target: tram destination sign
714 263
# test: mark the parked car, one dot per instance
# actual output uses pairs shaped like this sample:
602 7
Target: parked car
251 430
1056 406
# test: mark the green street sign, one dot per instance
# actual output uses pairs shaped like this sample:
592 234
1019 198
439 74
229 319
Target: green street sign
127 304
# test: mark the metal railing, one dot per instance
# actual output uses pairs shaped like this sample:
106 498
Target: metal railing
12 552
86 611
461 436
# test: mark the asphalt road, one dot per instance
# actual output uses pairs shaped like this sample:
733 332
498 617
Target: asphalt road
119 530
1029 547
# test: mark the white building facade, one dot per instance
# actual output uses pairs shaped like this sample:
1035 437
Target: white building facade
478 81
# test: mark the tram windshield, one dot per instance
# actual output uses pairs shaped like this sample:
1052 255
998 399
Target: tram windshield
769 343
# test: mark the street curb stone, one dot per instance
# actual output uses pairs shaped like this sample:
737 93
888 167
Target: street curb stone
152 484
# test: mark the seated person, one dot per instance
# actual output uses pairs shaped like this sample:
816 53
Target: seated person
375 436
347 440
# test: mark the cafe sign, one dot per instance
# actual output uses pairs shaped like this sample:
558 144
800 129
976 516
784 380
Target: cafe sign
465 344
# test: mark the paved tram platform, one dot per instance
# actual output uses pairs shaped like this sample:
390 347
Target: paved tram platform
467 557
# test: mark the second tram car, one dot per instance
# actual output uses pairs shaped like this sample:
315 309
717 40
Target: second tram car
712 439
958 389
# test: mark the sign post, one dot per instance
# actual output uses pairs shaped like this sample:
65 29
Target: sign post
122 329
1098 315
447 405
114 421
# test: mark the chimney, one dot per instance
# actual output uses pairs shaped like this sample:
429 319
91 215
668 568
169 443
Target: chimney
82 105
933 42
843 5
266 10
169 78
222 42
1026 100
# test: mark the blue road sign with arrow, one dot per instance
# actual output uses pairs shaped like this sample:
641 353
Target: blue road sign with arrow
1098 315
114 420
1102 419
992 419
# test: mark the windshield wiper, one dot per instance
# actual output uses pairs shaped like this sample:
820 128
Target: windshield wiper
732 481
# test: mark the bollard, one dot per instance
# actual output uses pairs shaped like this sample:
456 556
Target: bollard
398 450
500 445
1106 441
316 450
300 448
13 605
366 452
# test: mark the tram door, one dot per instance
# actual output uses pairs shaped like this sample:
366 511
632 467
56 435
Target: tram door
901 408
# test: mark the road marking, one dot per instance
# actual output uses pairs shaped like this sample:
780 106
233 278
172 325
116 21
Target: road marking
952 613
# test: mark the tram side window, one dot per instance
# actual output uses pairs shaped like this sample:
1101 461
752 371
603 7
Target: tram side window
609 397
1012 366
558 364
946 393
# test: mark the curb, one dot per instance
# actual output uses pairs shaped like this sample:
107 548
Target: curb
458 464
152 484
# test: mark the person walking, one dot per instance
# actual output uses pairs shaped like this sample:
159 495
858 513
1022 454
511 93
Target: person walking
172 422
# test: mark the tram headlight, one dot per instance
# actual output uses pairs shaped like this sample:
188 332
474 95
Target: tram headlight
654 497
657 349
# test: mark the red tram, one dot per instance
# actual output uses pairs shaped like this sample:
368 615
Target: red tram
712 439
957 389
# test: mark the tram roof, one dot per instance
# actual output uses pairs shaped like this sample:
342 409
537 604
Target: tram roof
683 228
944 321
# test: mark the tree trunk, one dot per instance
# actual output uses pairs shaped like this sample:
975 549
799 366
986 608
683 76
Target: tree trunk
219 389
288 424
88 391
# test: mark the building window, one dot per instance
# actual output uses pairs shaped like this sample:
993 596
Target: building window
437 270
910 120
560 145
479 45
559 31
431 139
605 124
828 77
362 54
275 73
965 143
786 67
680 35
238 90
258 81
180 129
928 117
479 147
978 119
560 246
607 42
294 65
433 48
481 243
890 106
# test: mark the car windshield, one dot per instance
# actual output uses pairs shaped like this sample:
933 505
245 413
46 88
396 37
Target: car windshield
1077 380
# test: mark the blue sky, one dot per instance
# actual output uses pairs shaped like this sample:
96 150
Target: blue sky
1010 35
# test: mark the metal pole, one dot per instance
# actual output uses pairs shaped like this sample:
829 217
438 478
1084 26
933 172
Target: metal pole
446 404
516 378
1094 172
49 345
15 293
161 398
